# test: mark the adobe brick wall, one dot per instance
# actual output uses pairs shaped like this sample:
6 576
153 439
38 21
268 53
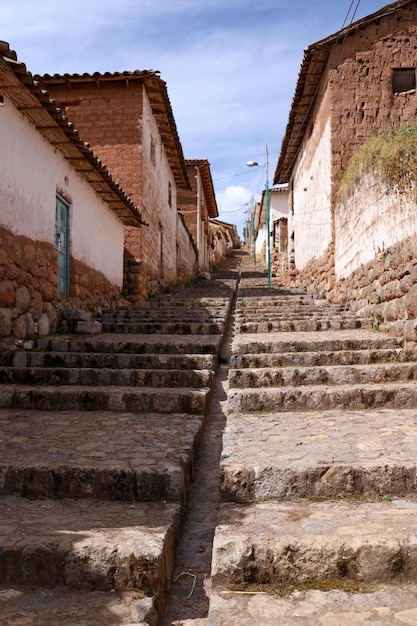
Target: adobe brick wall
372 224
187 203
187 268
117 120
363 101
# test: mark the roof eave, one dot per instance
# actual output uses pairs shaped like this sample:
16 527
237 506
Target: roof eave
28 97
157 93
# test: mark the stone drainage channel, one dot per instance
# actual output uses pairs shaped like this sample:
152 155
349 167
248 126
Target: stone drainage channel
188 599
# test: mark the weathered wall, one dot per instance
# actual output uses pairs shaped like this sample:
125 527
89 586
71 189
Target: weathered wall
29 303
117 120
186 253
31 172
159 238
310 221
362 104
193 206
382 217
385 289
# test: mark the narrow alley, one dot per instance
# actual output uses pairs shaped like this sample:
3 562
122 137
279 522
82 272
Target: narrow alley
228 454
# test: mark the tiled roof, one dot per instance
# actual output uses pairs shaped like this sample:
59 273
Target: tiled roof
27 95
311 72
156 90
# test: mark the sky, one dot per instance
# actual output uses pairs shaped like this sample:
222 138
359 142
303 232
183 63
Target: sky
231 67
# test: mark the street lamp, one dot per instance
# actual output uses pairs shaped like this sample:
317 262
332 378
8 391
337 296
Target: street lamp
267 207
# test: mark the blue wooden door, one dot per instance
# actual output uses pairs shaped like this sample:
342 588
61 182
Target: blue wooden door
62 245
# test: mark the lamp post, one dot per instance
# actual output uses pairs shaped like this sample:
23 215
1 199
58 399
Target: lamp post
267 208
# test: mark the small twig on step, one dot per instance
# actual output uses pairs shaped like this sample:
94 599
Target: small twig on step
194 581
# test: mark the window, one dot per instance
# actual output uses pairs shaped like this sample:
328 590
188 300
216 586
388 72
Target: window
169 194
403 79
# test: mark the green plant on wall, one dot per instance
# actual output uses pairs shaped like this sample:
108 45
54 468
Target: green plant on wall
392 158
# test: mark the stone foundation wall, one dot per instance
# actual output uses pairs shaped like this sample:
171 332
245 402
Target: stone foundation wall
318 275
29 302
28 286
384 289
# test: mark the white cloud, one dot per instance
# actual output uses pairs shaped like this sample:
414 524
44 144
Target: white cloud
234 204
230 67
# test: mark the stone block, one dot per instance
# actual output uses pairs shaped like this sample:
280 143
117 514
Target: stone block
76 315
43 325
7 294
19 327
5 322
89 327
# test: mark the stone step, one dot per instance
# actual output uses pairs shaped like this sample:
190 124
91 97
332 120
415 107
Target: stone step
285 544
262 294
172 313
49 607
163 317
278 313
167 328
244 305
323 359
32 358
303 325
378 605
100 454
326 341
193 300
88 545
78 398
330 375
132 344
320 454
105 376
311 398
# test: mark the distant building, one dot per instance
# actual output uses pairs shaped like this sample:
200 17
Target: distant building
198 205
224 239
278 220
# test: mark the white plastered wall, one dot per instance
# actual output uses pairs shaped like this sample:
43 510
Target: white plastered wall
31 170
311 221
370 221
157 179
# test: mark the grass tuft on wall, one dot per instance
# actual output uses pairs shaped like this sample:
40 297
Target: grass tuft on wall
392 159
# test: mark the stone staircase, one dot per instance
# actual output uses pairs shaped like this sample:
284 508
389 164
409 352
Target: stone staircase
318 520
98 441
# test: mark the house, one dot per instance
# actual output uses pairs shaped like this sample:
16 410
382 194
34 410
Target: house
356 91
128 120
62 215
224 238
278 221
198 205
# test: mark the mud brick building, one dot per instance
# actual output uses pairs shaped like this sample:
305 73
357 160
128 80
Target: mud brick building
354 247
198 206
62 215
128 121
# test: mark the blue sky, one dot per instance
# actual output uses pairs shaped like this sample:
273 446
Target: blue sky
230 66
